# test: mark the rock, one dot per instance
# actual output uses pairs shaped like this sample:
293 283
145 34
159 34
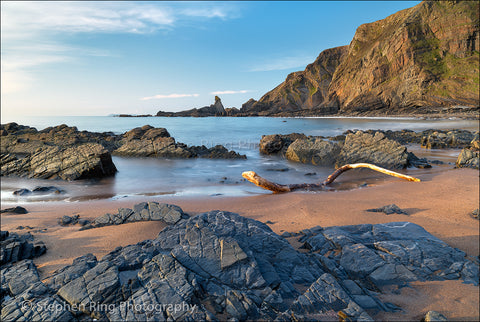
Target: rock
15 247
272 144
38 191
69 220
15 210
221 266
216 109
450 139
388 210
22 192
432 316
314 151
148 141
359 147
375 149
26 140
46 190
392 253
469 157
475 214
151 211
85 161
216 152
83 222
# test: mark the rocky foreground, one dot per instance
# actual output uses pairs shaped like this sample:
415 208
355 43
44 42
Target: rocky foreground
63 152
219 265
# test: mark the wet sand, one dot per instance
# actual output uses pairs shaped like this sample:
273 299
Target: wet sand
441 203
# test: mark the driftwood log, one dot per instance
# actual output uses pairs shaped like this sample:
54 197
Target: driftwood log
277 188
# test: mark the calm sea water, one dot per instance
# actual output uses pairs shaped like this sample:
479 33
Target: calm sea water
201 177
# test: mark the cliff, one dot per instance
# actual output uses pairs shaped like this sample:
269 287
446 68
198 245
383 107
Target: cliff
417 60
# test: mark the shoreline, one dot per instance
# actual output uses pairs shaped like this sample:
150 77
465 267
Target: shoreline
440 203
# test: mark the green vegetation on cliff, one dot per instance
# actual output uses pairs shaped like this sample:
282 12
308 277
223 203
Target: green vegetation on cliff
427 55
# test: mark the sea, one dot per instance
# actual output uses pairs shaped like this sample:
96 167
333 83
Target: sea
201 178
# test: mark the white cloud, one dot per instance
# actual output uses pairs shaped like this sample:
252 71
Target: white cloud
160 96
33 32
23 18
230 92
282 63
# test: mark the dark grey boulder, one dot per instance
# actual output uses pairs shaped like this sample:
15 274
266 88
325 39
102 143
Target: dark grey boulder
15 247
15 210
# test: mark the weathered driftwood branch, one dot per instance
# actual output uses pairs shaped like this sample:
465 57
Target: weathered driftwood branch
275 187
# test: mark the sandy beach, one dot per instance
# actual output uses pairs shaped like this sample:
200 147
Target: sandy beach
441 203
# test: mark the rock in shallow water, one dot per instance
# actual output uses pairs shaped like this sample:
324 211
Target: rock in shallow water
15 210
85 161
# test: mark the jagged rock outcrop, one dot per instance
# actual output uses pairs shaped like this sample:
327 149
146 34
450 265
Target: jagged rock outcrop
216 109
375 149
417 60
448 139
469 157
278 143
27 140
147 141
219 265
15 247
151 211
85 161
358 147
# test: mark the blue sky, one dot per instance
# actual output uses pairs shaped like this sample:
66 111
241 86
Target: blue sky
100 58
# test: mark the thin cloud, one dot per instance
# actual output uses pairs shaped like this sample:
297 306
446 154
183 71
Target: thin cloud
31 32
160 96
20 19
283 63
229 92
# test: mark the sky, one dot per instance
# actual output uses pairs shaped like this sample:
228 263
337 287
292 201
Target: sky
101 58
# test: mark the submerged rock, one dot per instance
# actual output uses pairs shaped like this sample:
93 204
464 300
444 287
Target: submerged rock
15 210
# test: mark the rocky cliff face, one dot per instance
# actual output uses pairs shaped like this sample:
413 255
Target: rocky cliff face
306 89
417 58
